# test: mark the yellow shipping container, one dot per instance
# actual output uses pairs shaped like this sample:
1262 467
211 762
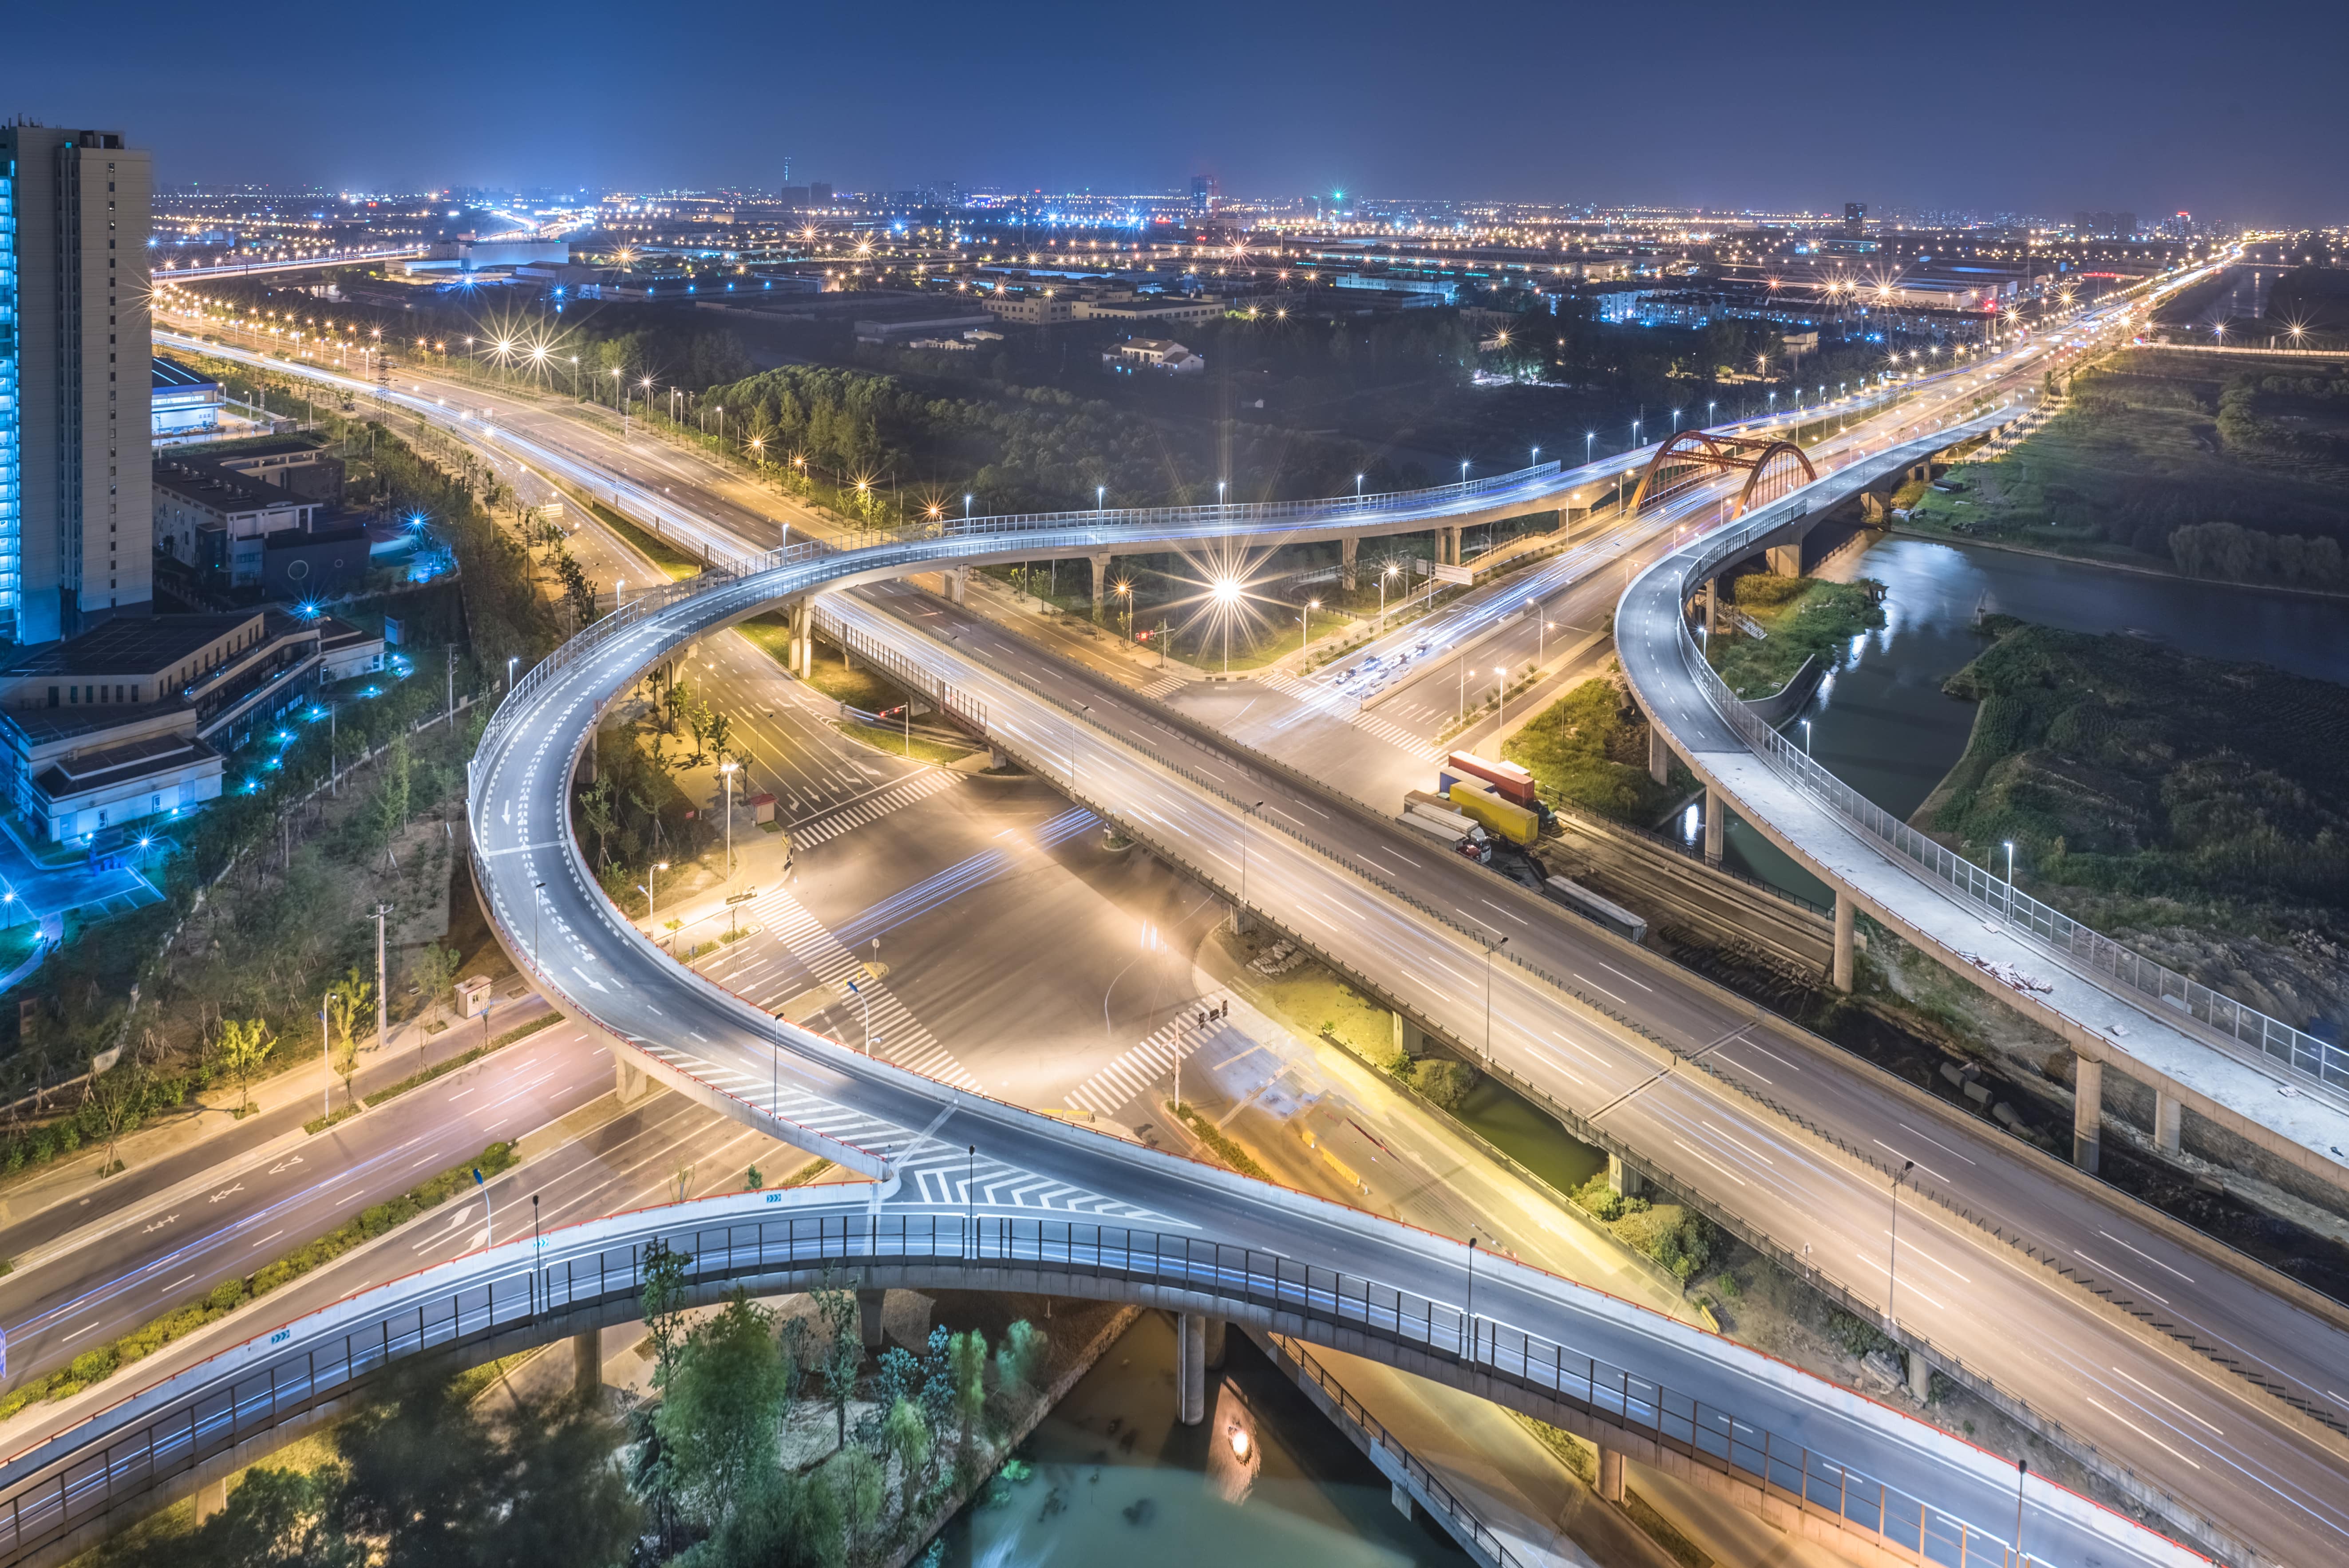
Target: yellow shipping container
1514 823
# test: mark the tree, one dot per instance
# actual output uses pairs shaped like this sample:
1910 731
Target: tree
436 972
677 701
843 1352
275 1519
784 1521
719 730
855 1475
242 1049
596 807
720 1413
966 1355
906 1435
1019 1360
120 1096
348 1001
389 809
662 1296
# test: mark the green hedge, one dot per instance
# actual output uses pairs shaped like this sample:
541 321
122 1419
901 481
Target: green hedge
101 1362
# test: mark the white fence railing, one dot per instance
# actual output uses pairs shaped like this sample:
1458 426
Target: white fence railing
1983 890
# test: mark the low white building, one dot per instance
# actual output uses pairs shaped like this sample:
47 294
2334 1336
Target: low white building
1163 354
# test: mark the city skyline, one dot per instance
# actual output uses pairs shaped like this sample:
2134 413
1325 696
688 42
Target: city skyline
1263 104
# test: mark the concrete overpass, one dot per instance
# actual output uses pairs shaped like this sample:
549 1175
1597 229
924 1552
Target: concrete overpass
2278 1088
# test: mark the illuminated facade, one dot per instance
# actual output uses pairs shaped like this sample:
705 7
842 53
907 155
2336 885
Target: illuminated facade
76 521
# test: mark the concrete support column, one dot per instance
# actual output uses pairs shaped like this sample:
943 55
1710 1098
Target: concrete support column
1190 1368
1621 1179
868 1317
1921 1378
998 758
1242 922
2168 1113
1716 822
1219 1340
1348 549
1101 583
1400 1498
587 1363
1843 940
1660 755
1786 559
1611 1475
2087 1112
630 1080
958 584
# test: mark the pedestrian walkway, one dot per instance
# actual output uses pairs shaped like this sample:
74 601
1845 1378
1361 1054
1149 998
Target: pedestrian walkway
1164 686
898 1036
833 821
1132 1075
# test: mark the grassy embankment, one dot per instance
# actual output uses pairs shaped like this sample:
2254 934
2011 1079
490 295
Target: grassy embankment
1590 748
2198 808
1802 618
2169 462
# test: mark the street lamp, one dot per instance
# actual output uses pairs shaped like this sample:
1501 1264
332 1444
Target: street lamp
537 904
2010 879
1500 695
652 883
1391 570
1306 618
1806 735
1491 948
1892 1274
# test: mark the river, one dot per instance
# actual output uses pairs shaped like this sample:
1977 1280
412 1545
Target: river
1885 726
1111 1478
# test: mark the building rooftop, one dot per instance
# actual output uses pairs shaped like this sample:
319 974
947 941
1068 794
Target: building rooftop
212 484
170 375
128 643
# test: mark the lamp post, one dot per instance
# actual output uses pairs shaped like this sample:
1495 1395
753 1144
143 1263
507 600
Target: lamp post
1306 621
1806 737
537 904
1383 594
326 1060
1892 1272
2010 879
1500 695
1491 948
726 774
1468 1307
652 882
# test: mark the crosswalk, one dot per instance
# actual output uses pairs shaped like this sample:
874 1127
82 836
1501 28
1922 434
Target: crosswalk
1329 704
898 1036
1164 686
1128 1078
838 820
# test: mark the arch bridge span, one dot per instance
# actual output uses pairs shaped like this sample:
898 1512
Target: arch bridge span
1772 469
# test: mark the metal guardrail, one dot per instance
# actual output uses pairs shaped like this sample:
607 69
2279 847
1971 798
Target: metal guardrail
57 1496
1987 893
1368 1429
1237 514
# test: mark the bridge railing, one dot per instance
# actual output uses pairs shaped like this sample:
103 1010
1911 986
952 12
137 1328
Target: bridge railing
1237 515
1994 897
551 1292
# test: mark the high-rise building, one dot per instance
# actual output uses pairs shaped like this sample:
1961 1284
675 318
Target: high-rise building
1202 193
77 523
1855 217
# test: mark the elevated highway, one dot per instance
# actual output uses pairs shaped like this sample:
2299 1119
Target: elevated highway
1677 1082
2280 1088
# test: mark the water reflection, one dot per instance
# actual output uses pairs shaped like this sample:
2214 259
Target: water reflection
1883 723
1265 1482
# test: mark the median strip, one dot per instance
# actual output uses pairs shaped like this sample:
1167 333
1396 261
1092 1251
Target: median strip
101 1362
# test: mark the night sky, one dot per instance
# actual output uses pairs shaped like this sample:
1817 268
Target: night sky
2230 111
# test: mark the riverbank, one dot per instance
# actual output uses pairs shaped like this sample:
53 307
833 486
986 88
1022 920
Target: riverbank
2174 465
2194 809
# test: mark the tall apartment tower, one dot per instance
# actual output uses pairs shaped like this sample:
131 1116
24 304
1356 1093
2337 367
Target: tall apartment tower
77 518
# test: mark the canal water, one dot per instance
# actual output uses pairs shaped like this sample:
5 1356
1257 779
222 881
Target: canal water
1883 723
1111 1478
